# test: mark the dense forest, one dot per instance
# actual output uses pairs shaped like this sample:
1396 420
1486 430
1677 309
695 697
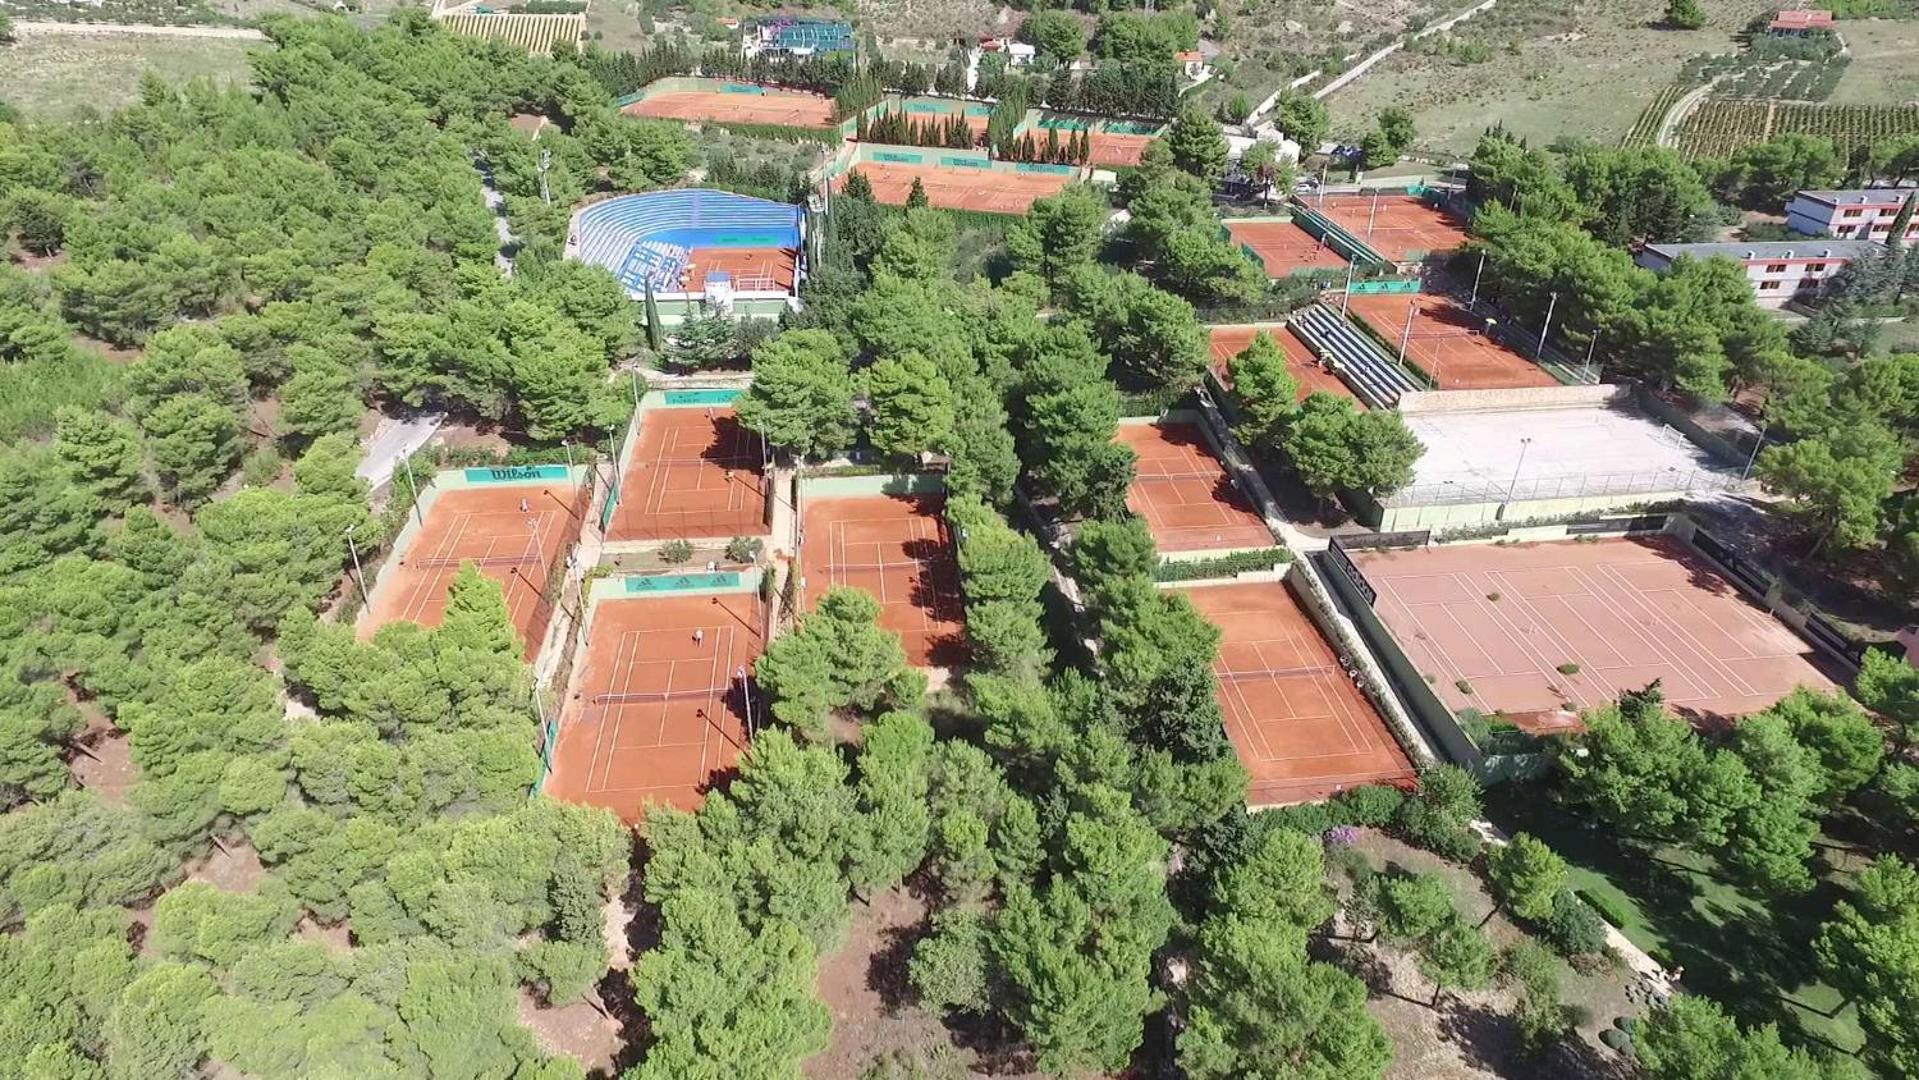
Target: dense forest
211 289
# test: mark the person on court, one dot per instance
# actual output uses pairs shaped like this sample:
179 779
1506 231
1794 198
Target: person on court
699 636
523 506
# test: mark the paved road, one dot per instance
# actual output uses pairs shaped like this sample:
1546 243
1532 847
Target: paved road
392 440
234 33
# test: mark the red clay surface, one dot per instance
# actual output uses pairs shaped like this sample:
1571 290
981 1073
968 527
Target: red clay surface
951 188
785 107
624 754
1626 611
1183 492
695 472
1108 148
1284 248
1230 341
1302 728
1402 228
753 269
1449 343
897 548
477 524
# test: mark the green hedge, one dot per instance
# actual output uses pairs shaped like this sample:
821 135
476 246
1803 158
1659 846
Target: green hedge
778 132
1239 562
1154 402
1607 908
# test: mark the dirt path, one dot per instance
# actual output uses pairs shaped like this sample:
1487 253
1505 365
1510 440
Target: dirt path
1367 64
1681 109
48 29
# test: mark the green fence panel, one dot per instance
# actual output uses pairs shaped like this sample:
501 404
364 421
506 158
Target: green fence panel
713 396
515 474
667 583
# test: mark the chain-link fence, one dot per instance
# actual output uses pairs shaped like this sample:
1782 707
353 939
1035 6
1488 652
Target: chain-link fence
1465 492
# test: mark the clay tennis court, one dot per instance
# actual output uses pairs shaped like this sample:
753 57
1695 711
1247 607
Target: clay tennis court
897 548
785 107
1230 341
1504 620
695 472
1301 727
1183 492
657 711
1113 148
1284 248
954 188
1448 342
485 525
1400 227
754 269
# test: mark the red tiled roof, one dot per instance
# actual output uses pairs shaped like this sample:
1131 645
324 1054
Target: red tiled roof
1804 19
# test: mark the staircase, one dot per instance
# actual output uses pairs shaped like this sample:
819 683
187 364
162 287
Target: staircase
1375 376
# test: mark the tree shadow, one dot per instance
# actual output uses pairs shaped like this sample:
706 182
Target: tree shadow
997 1048
886 971
1486 1039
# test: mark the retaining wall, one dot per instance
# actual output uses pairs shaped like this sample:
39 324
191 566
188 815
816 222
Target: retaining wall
1399 518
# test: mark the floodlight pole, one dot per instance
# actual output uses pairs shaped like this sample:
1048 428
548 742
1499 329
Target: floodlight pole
1474 302
1592 347
406 462
634 373
1757 445
358 573
1346 297
1406 333
1547 328
1524 442
568 443
1373 214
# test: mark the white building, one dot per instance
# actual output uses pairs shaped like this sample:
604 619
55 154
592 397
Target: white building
1778 270
1860 214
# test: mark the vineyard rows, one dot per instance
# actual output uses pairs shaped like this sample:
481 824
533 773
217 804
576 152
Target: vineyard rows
537 34
1718 129
1646 128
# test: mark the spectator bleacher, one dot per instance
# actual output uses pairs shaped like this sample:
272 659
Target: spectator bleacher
1372 373
648 238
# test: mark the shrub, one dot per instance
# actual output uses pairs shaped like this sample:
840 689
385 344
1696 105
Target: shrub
1311 818
676 552
1373 805
743 549
262 467
1463 686
1568 668
1616 1040
1574 928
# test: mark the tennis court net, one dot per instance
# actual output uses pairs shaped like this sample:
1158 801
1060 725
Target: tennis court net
1213 475
907 564
631 697
724 461
1271 673
522 559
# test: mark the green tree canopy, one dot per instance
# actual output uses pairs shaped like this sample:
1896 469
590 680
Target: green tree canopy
801 399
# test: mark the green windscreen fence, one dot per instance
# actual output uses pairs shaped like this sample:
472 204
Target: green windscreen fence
701 397
515 474
641 585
